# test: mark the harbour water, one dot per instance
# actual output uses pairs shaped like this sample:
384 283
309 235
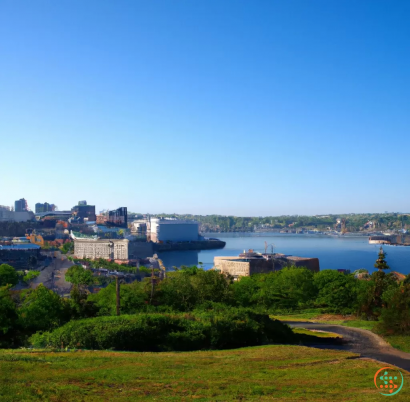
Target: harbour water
333 252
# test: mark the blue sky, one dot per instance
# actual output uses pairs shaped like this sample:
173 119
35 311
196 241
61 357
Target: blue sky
237 107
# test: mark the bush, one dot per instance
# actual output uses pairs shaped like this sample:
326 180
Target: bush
337 291
230 328
30 276
8 275
395 317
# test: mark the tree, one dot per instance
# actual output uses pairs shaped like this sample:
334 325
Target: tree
8 311
80 306
67 247
288 288
8 275
134 297
42 310
245 291
336 290
395 318
79 276
381 263
372 298
30 276
211 286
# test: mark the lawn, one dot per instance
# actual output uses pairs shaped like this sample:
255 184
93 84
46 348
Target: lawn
275 372
315 333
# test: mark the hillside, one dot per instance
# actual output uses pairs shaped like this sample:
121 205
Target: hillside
280 373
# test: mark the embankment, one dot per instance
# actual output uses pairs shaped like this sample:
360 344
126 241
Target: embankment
192 245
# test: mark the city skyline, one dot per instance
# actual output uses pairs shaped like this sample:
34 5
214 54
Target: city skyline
106 209
230 108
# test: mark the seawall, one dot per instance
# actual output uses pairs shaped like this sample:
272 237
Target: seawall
193 245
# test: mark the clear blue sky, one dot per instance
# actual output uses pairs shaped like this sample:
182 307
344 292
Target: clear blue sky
238 107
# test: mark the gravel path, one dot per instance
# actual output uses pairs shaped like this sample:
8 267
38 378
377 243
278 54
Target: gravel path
360 341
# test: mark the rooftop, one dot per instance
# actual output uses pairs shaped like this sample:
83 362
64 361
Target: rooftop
20 247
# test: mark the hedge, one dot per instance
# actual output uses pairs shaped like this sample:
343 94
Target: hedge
166 332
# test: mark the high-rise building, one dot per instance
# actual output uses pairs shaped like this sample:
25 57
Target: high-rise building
46 207
118 217
83 212
20 205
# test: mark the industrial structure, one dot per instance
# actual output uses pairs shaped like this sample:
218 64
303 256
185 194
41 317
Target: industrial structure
173 230
248 263
401 239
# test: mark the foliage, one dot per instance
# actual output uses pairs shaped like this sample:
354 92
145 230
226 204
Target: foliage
381 263
30 276
8 312
133 298
185 289
67 247
370 299
77 275
8 275
336 291
289 288
80 306
395 317
155 332
354 222
42 309
106 264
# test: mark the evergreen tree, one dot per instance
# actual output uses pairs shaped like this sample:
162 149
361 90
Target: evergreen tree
381 263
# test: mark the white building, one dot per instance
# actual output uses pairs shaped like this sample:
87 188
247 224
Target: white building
162 230
11 216
107 249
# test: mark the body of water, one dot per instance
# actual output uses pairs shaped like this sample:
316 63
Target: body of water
333 252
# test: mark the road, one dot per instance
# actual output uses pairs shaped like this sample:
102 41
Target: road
53 276
360 341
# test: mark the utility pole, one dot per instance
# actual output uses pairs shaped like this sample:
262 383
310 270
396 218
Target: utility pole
117 288
152 284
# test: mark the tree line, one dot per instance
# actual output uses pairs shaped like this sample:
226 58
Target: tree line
378 297
354 222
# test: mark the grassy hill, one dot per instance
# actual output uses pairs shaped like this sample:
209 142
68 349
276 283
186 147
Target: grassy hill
263 373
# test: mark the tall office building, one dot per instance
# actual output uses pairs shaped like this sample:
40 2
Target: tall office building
46 207
20 205
83 212
118 217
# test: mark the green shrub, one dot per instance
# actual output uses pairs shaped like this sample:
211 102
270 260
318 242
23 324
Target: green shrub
230 328
395 317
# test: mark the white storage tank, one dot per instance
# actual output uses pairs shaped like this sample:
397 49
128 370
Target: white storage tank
163 230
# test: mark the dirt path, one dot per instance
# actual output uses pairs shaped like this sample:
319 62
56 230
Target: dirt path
361 341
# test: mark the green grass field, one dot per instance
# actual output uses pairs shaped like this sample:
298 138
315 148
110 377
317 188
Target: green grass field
318 334
264 373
